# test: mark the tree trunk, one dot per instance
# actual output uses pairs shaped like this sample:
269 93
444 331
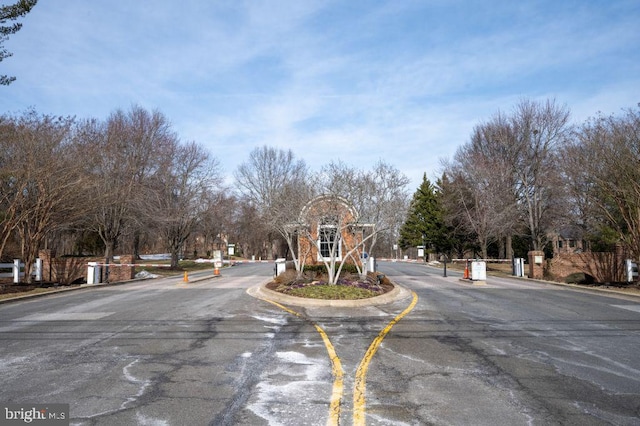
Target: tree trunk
136 245
108 250
175 258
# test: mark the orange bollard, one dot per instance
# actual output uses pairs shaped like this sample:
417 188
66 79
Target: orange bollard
216 271
186 277
466 271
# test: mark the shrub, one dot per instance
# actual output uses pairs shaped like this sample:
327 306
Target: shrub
319 268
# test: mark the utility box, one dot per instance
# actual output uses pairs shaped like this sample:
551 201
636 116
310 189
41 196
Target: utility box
518 267
281 266
478 271
371 266
93 273
632 270
38 269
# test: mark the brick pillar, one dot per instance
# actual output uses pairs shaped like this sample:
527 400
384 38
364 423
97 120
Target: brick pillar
536 264
126 272
47 256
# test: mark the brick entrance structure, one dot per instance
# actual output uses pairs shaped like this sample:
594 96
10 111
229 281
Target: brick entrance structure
67 270
536 264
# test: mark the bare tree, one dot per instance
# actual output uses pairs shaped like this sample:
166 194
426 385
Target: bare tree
217 218
482 187
249 230
539 130
129 150
604 177
509 170
378 196
473 200
492 144
41 183
279 186
178 204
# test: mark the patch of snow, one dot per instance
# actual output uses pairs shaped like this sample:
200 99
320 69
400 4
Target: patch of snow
159 256
142 384
148 421
146 274
281 320
289 390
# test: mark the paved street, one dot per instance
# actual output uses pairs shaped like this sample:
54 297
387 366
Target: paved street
165 352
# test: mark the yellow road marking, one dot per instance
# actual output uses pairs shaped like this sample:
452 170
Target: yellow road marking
336 367
360 384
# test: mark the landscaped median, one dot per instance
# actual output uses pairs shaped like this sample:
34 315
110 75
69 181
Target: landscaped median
264 291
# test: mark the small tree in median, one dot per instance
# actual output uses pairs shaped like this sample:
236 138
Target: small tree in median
372 202
330 234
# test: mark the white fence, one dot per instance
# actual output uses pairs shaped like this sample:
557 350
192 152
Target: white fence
17 270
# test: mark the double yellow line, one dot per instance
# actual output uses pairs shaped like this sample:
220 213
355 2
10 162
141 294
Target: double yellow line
360 385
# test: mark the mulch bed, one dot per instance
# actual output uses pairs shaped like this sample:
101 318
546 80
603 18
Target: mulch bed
384 286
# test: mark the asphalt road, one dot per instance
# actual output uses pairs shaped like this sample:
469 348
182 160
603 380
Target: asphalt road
165 352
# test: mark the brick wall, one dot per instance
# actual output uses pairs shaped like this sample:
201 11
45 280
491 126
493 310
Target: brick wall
63 270
603 267
66 270
123 273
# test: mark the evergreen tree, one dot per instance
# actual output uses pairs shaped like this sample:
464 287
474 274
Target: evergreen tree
425 220
457 240
11 13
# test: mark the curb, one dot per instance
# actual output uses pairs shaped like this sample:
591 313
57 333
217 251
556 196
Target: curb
65 290
93 286
584 288
263 293
612 291
472 282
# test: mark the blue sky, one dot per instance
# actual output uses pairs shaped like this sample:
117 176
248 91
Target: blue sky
357 81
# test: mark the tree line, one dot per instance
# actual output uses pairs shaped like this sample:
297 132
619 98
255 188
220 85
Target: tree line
128 184
528 174
92 185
